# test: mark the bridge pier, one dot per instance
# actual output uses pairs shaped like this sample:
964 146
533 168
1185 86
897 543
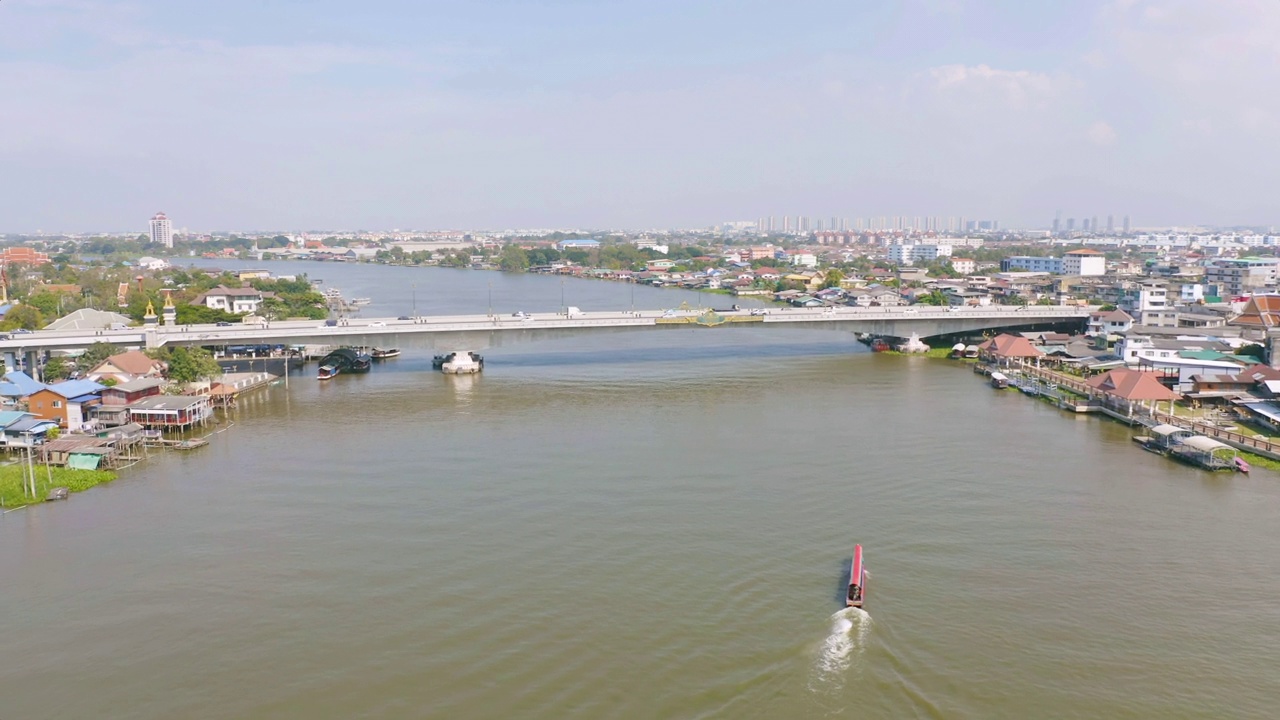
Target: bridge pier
33 365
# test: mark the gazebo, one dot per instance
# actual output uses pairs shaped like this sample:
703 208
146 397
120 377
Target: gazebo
1005 348
1125 390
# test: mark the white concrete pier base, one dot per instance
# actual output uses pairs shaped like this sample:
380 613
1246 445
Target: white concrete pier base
462 362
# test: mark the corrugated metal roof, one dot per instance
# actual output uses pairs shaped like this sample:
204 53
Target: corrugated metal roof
9 417
31 424
1167 430
24 382
1205 444
76 388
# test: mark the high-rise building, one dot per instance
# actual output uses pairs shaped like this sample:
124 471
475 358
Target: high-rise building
1071 224
1084 224
161 230
1126 224
1057 224
1111 224
1094 223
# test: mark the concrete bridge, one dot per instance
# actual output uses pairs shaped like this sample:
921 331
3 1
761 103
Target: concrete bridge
479 332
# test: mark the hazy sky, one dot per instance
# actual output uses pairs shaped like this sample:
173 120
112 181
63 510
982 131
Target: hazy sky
282 114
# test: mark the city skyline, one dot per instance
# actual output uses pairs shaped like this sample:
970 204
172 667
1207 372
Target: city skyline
401 114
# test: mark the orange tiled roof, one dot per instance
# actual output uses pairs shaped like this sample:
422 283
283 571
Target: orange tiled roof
1132 385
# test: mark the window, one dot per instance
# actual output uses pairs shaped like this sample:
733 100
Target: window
57 404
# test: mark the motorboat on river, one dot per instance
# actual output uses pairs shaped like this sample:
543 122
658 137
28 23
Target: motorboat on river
857 580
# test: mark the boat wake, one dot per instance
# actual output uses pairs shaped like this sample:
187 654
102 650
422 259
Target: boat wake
841 650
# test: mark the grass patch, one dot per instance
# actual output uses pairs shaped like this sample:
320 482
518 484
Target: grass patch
943 353
1260 461
11 491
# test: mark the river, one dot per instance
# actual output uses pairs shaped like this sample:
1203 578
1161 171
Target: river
646 525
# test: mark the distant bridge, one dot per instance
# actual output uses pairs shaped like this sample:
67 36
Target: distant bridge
478 332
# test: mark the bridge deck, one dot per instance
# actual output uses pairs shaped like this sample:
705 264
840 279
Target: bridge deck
892 321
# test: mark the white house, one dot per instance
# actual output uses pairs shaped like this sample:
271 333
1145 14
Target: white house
233 300
808 260
1114 322
1084 262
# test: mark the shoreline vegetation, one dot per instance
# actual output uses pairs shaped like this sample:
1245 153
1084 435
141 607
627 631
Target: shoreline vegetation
13 495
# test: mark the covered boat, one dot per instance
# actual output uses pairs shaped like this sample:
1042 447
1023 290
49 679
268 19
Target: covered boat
999 380
344 360
857 580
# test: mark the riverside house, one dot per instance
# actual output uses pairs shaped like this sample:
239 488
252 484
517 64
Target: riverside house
171 412
126 366
66 403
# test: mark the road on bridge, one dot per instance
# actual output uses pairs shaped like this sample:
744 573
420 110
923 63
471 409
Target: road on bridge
369 330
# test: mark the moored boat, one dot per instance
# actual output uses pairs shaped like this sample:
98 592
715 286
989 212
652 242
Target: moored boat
384 353
327 372
999 380
857 580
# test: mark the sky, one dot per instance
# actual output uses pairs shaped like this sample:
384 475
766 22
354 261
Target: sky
419 114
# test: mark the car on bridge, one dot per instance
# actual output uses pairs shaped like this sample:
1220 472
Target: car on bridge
222 323
377 323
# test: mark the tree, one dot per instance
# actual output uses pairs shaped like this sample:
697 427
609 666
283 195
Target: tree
190 364
188 314
57 368
513 259
27 317
936 297
833 279
1253 350
94 355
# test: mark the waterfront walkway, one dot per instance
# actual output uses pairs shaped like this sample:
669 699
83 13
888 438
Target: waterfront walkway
1151 416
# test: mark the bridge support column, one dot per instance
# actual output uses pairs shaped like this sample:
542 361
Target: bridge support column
460 362
10 361
33 365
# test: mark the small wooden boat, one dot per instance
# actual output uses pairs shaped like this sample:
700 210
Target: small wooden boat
999 380
1242 465
58 493
190 444
384 353
327 372
857 580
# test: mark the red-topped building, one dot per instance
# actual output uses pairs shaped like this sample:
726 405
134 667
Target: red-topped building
20 255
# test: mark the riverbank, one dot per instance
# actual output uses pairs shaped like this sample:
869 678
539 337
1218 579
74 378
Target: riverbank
12 494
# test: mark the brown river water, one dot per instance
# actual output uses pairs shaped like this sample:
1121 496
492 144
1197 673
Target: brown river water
646 525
